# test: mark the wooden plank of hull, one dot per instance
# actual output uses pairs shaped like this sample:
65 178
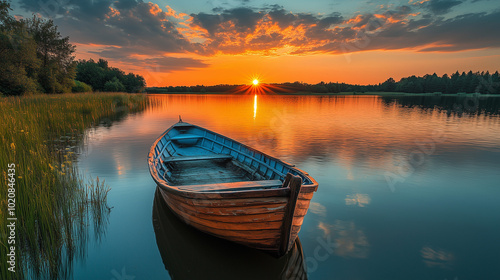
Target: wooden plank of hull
254 224
305 195
235 226
270 217
239 214
230 202
271 203
235 222
228 211
264 232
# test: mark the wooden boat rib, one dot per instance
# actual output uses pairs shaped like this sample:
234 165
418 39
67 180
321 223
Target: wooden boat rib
229 190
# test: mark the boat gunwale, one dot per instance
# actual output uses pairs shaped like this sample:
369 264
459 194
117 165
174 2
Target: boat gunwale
222 194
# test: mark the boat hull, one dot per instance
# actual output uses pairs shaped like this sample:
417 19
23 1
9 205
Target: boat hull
256 222
262 208
190 254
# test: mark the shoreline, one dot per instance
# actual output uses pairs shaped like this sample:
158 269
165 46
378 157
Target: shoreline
338 94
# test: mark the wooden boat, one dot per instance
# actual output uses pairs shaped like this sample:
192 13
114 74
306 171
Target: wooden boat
188 253
230 190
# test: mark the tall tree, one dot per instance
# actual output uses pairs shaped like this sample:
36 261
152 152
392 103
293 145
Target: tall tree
389 85
18 60
58 67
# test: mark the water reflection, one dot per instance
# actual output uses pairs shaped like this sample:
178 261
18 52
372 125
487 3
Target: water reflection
359 199
347 144
367 130
190 254
317 208
350 241
476 104
254 106
436 257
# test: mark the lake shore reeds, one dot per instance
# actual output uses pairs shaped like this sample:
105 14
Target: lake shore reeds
53 205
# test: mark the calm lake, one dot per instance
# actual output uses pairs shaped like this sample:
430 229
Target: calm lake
409 188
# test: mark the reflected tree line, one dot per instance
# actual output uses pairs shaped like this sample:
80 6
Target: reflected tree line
471 82
452 105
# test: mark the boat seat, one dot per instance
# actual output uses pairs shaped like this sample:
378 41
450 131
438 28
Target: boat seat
233 186
198 157
186 136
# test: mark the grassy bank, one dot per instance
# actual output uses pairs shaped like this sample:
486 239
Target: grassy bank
53 204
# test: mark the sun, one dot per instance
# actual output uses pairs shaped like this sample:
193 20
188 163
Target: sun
255 82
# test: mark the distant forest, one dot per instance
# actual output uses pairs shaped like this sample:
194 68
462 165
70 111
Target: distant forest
35 58
481 82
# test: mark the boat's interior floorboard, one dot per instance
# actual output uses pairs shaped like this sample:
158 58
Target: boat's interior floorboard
207 172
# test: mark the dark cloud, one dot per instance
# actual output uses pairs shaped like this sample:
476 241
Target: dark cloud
285 19
470 31
157 63
126 4
207 21
418 23
244 19
79 8
440 7
465 32
166 64
143 28
266 39
123 22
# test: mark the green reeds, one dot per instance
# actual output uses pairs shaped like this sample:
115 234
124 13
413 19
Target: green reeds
54 206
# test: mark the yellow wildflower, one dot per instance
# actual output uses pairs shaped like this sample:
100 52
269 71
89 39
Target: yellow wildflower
12 146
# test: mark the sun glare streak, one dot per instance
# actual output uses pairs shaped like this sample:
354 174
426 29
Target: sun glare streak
257 87
261 89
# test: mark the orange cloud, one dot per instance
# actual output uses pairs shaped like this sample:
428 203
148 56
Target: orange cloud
172 13
154 9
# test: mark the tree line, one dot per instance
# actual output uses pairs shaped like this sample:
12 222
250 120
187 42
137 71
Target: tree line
36 58
105 78
471 82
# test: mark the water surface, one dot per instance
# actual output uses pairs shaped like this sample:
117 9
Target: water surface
408 186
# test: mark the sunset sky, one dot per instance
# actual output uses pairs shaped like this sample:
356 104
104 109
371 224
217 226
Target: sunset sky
233 41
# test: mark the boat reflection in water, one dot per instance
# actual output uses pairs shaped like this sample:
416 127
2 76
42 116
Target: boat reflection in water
190 254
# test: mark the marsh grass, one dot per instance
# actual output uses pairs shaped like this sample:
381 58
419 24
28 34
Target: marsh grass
55 206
